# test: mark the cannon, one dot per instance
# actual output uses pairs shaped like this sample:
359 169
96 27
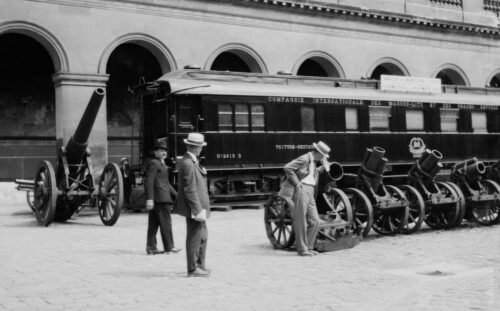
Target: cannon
336 228
482 196
390 212
444 201
59 194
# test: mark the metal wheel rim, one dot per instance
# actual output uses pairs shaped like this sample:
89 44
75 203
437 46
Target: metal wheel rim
278 222
110 194
362 210
416 210
45 193
394 221
461 200
30 198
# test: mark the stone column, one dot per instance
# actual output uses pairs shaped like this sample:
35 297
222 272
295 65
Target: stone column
73 92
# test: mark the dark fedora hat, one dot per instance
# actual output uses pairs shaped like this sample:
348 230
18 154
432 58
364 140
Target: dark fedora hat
160 145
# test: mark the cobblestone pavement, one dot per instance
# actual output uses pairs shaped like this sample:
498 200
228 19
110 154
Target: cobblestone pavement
83 264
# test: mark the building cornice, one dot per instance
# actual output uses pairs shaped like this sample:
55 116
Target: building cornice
369 15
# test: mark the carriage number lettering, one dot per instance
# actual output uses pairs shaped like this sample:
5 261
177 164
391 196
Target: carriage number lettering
228 155
292 147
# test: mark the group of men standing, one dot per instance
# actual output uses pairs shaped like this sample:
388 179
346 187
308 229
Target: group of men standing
192 200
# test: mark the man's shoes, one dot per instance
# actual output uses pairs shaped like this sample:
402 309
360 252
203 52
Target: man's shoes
153 252
173 250
312 251
305 253
205 269
199 273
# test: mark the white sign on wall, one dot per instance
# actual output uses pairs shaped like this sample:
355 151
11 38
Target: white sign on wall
409 84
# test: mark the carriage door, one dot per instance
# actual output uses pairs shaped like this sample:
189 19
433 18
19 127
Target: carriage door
188 117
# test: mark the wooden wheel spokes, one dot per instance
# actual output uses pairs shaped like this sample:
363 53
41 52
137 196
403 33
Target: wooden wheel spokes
461 200
487 213
278 223
445 216
339 203
394 220
362 210
110 194
45 193
416 209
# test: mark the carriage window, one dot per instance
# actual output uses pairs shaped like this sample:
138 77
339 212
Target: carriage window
241 117
351 119
307 118
185 116
449 119
479 122
414 120
257 118
225 117
379 118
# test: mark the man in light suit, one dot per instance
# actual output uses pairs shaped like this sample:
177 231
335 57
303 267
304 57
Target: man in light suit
299 190
193 202
160 196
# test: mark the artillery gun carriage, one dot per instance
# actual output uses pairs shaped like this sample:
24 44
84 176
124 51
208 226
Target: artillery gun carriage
392 210
444 201
61 193
336 228
482 196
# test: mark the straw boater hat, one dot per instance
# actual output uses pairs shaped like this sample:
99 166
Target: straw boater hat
123 160
195 139
322 148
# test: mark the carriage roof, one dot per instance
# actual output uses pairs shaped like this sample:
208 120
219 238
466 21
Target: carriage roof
253 84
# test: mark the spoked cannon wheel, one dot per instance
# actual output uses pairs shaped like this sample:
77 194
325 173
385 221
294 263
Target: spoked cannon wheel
339 203
45 193
445 216
416 209
461 200
487 213
110 194
278 222
394 220
362 210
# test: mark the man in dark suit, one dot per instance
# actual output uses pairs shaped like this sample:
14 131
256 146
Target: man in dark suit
160 196
193 203
299 190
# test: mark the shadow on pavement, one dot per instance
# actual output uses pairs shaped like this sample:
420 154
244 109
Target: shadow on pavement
147 274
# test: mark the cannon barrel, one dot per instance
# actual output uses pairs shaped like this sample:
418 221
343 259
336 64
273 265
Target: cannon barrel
336 171
428 165
471 168
77 144
373 166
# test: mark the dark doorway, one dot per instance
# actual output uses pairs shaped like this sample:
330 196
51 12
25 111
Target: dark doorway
27 98
311 68
228 61
128 64
495 82
450 77
386 69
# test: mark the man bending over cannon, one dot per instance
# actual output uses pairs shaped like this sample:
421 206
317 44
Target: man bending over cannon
299 190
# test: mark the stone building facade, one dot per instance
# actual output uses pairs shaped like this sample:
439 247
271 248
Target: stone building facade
54 53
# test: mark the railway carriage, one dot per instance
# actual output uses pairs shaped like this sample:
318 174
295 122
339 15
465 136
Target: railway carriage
255 123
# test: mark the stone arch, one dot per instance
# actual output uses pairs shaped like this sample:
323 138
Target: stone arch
155 46
453 73
248 55
327 62
494 79
44 37
387 65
